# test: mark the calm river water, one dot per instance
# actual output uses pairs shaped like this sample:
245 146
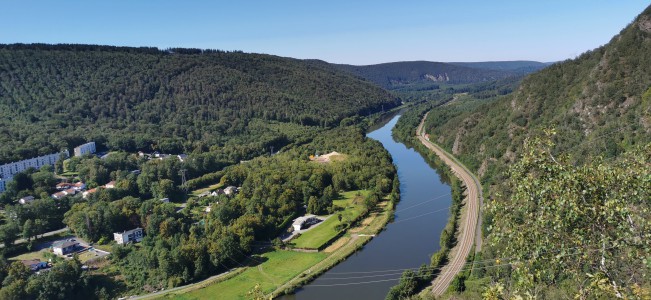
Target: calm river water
407 242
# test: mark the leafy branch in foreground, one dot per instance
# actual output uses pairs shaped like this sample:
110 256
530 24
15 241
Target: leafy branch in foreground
588 224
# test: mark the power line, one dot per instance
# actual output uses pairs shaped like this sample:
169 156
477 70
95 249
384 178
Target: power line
471 262
442 273
433 199
422 215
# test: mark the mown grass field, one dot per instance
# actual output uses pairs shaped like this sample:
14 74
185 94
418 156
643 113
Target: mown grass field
279 267
40 255
350 207
206 189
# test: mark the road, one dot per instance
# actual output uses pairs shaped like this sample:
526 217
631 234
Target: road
468 227
20 241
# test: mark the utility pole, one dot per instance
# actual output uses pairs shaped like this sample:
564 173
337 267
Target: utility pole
183 181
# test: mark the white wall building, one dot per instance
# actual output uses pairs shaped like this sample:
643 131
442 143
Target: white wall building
7 171
129 236
87 148
303 222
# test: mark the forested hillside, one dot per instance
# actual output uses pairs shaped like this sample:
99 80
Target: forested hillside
397 74
517 66
249 124
56 96
566 159
599 103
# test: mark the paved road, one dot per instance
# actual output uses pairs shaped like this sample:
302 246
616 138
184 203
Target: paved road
468 227
20 241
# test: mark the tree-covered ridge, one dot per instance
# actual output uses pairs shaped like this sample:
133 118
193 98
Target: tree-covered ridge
566 161
54 96
397 74
600 104
517 66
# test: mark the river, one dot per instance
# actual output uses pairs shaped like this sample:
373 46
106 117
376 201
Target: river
407 242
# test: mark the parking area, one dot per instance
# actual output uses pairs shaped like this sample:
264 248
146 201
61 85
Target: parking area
72 245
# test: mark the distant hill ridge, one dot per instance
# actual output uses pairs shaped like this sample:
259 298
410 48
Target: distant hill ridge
395 74
517 66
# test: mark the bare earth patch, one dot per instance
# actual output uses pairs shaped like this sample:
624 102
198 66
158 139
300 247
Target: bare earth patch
336 245
364 224
330 157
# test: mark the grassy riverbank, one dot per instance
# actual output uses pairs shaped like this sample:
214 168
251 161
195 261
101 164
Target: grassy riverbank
267 270
282 271
347 209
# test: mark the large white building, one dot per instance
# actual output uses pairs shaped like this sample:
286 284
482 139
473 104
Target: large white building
87 148
129 236
7 171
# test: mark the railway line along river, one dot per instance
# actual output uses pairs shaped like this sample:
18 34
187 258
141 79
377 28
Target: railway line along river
407 242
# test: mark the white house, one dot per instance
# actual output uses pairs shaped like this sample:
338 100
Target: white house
88 148
62 194
129 236
65 247
304 222
217 193
230 190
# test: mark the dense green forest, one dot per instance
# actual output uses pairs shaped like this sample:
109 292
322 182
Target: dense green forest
183 245
398 74
516 66
173 101
565 159
246 120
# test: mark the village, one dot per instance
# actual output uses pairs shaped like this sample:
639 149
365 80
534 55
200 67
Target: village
63 244
305 232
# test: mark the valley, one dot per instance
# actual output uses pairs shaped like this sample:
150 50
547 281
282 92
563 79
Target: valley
164 172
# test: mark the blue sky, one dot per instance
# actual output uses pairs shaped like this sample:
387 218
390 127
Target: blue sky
354 32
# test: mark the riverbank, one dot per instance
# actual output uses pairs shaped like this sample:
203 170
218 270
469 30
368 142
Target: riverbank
280 272
359 236
407 242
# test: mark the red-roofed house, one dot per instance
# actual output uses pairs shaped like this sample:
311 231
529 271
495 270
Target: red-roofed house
79 186
63 186
88 192
62 194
